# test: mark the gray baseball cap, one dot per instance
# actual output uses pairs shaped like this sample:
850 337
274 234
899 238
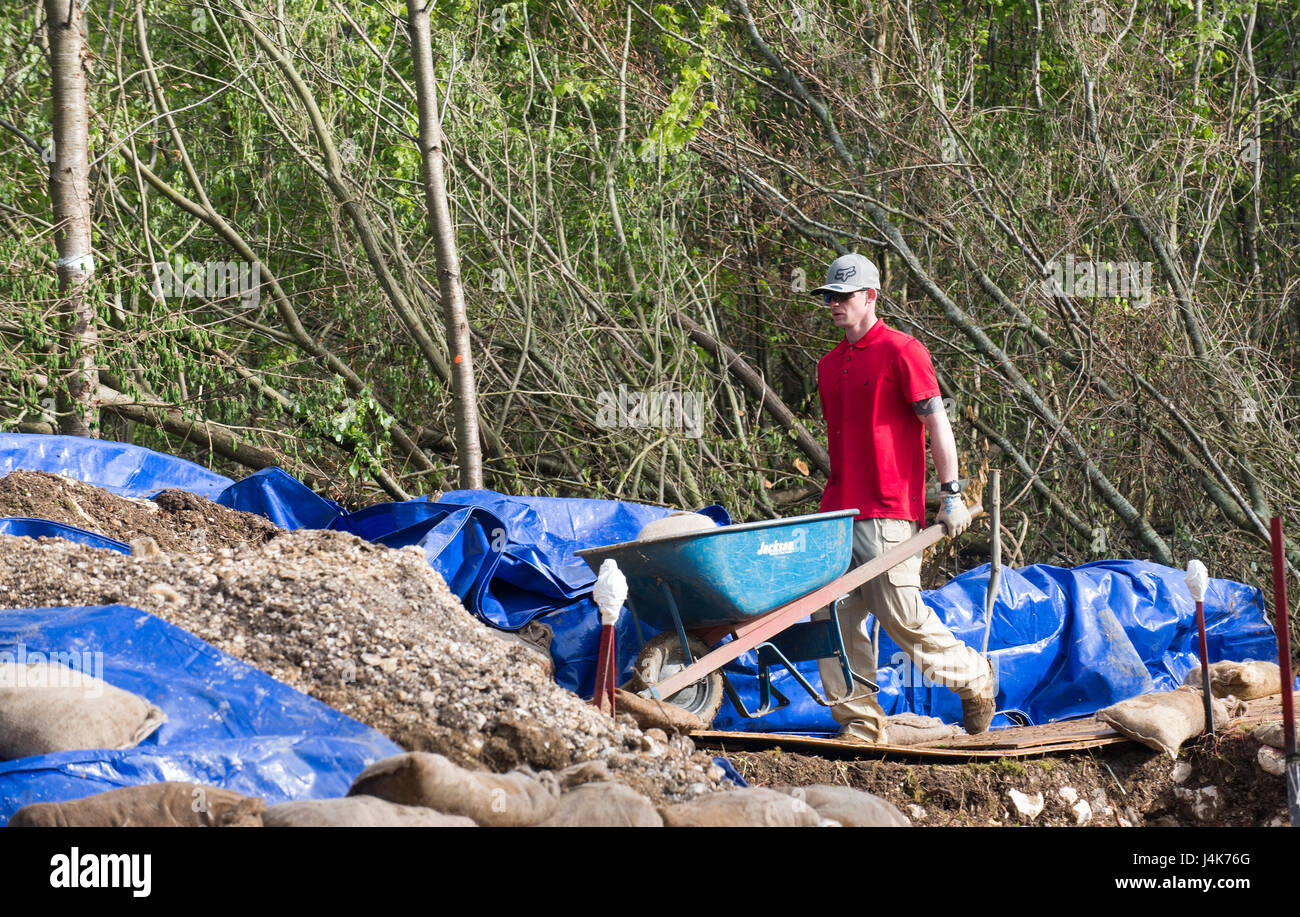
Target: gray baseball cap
849 273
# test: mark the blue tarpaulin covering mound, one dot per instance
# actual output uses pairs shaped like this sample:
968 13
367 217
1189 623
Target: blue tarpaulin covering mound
228 724
1064 642
120 468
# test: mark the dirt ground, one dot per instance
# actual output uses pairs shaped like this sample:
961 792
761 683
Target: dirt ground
1125 785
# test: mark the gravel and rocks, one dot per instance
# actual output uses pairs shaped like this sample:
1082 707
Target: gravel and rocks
371 631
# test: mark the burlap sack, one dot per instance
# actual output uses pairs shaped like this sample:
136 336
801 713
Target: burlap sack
656 714
424 779
1163 720
851 808
1246 680
603 805
157 805
756 807
47 707
913 729
358 812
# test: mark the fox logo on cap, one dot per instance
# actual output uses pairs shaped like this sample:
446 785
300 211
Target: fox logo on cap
849 273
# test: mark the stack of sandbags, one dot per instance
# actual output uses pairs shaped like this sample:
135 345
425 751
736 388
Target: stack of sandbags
358 812
516 799
786 807
849 807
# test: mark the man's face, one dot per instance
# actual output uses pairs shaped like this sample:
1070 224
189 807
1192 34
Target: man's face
849 310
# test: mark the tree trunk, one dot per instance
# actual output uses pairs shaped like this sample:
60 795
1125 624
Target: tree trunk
70 200
468 453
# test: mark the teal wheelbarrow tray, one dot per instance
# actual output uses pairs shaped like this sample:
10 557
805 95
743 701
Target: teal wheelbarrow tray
719 593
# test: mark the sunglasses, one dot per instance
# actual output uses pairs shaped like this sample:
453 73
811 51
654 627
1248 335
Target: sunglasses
837 297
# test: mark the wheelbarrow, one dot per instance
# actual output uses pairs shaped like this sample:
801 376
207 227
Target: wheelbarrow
752 583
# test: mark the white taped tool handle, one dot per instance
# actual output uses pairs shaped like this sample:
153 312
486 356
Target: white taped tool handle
610 591
1197 579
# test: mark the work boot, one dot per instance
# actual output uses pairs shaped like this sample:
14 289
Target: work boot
976 713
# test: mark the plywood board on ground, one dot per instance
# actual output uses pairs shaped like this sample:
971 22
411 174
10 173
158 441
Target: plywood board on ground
1017 741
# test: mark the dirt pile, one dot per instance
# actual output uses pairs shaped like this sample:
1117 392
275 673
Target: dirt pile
176 519
371 631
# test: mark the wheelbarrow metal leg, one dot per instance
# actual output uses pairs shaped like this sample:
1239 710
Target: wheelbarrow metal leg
774 655
636 621
681 635
766 690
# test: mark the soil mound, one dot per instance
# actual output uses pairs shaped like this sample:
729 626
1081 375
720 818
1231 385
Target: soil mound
176 519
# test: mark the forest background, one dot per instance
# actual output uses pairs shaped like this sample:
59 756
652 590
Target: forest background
1085 210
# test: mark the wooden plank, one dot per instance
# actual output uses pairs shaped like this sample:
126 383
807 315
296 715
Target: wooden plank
757 630
1016 742
840 748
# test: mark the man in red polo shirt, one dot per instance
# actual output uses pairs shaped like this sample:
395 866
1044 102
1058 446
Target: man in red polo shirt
879 398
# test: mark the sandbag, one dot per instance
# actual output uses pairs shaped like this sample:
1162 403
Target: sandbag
358 812
421 778
656 714
756 807
1163 720
1246 680
851 808
47 707
913 729
679 523
155 805
603 805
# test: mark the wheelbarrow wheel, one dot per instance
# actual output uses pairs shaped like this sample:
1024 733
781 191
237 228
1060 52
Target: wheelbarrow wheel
662 657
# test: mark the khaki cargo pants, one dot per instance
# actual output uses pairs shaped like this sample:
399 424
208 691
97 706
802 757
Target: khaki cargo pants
895 598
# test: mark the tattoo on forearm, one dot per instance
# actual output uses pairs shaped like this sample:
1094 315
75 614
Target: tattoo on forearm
927 406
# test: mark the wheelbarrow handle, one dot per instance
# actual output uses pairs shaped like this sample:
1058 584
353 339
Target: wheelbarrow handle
762 628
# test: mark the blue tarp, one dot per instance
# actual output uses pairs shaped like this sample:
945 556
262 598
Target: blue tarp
228 724
284 500
1065 642
47 528
131 471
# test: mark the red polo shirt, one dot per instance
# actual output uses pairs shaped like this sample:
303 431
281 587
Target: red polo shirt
877 443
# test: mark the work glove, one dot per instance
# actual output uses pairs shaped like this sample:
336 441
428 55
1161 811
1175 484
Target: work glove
1197 579
610 591
954 514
